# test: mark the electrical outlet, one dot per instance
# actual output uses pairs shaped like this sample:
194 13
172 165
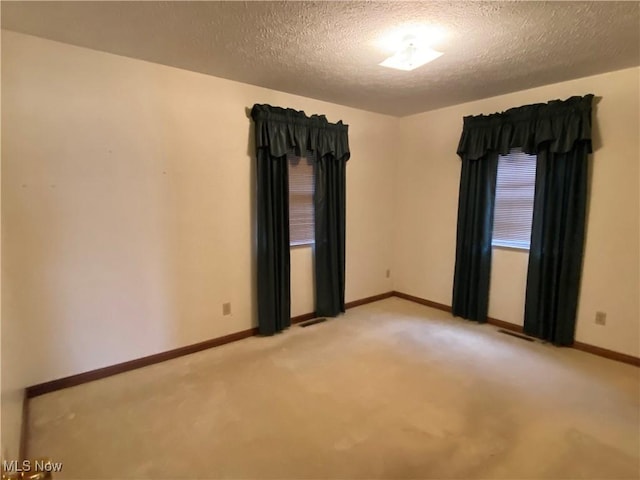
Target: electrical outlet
388 273
601 318
226 308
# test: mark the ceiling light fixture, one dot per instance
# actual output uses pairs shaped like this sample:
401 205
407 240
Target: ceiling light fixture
411 55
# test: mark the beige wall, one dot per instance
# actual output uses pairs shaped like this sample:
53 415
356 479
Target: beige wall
427 181
127 207
302 281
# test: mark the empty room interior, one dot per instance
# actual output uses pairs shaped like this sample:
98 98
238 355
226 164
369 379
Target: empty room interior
320 240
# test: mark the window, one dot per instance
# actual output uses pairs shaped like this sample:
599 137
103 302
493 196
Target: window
301 189
515 189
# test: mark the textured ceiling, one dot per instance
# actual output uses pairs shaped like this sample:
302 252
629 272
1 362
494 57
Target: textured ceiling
329 51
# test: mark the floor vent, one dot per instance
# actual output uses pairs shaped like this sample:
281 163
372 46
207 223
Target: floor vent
313 322
517 335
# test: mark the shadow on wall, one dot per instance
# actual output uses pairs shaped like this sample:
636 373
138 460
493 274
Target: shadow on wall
253 245
596 144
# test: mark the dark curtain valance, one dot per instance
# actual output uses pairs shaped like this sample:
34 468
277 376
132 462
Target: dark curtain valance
284 129
555 126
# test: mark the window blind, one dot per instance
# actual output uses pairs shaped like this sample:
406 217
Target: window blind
515 189
301 208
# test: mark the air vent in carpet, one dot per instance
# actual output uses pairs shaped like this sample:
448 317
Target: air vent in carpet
517 335
313 322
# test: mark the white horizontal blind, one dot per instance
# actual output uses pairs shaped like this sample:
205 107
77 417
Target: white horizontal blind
515 189
301 209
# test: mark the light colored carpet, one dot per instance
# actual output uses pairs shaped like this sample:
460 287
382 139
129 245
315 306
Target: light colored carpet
389 390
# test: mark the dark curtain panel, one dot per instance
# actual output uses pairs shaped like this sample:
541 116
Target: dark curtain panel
279 131
473 246
330 235
559 133
274 289
557 240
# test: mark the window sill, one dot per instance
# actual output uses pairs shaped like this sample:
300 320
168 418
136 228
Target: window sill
302 244
516 248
